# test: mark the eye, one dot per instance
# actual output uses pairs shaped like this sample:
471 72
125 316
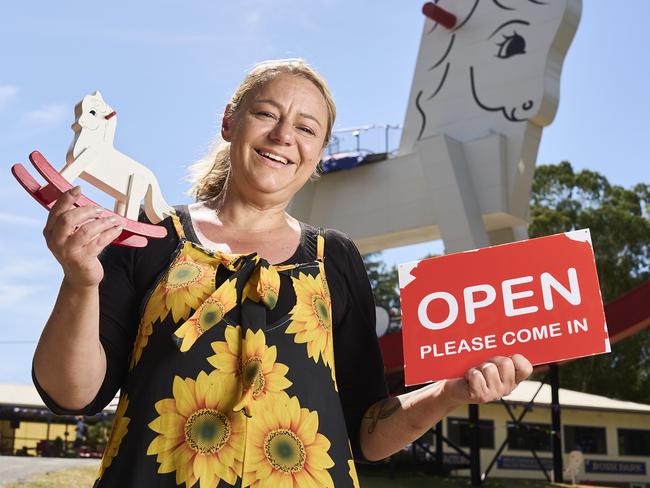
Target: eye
265 114
307 130
92 112
511 46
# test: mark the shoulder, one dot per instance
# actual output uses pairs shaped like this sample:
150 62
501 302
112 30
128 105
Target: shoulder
339 244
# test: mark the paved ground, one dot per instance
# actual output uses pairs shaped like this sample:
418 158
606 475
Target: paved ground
17 468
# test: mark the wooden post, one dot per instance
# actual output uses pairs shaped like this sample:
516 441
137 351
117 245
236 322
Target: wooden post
474 446
556 424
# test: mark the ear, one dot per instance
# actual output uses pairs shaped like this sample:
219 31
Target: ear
226 124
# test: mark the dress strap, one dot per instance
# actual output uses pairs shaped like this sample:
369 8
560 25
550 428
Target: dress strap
178 226
320 244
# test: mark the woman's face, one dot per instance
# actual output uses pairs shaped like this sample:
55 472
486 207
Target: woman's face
277 137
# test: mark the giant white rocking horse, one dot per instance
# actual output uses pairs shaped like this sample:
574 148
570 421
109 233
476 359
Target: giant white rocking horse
486 82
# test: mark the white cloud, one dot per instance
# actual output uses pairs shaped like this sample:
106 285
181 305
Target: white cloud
25 269
7 94
50 114
291 12
10 294
13 219
22 277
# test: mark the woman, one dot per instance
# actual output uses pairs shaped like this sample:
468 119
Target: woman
244 343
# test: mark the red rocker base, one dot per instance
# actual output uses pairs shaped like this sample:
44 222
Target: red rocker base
135 234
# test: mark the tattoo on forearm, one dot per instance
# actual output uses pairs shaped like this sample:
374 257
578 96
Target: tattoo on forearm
381 410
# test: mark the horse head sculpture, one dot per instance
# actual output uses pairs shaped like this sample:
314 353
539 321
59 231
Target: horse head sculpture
496 71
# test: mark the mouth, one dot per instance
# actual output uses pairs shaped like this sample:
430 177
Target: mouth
275 158
511 116
111 115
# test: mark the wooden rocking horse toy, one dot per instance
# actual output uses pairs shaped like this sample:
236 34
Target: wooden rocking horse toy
93 158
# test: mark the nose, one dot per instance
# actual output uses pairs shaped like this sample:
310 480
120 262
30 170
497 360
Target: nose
282 133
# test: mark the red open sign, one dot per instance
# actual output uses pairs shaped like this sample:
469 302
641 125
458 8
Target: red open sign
539 298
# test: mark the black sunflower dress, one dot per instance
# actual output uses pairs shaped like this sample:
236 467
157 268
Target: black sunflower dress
232 371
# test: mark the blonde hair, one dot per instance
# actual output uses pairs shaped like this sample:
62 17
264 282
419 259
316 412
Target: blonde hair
208 176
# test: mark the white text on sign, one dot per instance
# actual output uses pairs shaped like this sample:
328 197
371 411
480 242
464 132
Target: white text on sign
547 283
509 338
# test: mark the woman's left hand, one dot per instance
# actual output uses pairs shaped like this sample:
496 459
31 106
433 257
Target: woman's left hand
490 381
390 424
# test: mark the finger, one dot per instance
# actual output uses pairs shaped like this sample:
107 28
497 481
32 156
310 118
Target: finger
102 240
67 223
90 230
506 372
65 201
492 377
523 367
476 385
63 204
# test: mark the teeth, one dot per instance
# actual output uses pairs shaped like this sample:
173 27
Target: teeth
279 159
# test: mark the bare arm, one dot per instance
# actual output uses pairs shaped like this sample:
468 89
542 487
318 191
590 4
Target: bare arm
390 424
69 362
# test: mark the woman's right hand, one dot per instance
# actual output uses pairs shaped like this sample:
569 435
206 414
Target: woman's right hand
76 236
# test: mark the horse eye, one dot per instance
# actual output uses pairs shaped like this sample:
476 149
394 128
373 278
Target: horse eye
92 112
511 46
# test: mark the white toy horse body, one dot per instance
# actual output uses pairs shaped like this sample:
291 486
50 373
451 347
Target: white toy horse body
93 158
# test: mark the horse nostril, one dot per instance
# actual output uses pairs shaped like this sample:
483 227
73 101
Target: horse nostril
527 105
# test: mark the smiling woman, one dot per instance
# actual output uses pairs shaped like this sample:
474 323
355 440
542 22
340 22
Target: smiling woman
209 175
243 344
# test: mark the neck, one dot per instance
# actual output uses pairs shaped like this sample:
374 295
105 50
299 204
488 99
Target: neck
238 213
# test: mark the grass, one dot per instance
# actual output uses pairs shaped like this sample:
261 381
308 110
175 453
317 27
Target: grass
85 477
65 478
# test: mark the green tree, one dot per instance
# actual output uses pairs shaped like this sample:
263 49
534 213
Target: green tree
97 434
384 281
619 220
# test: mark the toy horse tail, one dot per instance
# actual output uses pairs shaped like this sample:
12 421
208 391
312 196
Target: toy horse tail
156 208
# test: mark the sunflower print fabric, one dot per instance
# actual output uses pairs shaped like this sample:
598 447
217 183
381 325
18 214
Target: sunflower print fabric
286 448
254 364
118 431
312 318
200 438
230 380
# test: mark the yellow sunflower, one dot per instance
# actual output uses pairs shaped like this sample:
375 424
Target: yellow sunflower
312 318
284 447
210 313
326 289
253 363
188 282
263 285
118 431
200 437
144 331
353 473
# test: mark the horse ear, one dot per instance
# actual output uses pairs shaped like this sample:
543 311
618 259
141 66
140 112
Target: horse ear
98 94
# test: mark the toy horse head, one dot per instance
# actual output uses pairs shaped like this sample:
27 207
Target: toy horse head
92 112
94 124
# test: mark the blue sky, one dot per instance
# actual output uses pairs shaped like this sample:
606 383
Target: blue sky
168 68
